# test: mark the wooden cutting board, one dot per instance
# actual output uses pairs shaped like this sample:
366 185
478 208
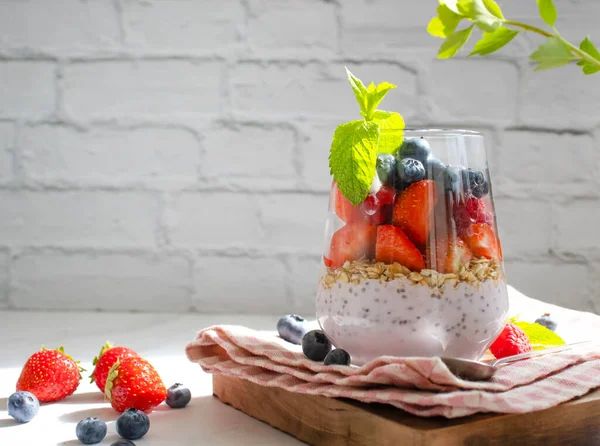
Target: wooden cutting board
319 420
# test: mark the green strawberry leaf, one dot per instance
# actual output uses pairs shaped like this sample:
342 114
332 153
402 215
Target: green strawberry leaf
391 130
352 158
553 53
479 12
547 11
444 23
493 41
539 336
454 43
493 8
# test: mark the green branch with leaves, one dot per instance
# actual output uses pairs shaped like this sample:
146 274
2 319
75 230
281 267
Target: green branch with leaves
498 31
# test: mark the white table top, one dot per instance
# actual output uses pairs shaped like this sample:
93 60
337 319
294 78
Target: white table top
161 339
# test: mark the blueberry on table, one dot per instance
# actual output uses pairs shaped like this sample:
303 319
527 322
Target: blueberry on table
410 171
291 328
315 345
338 356
547 321
90 430
132 424
23 406
178 396
417 148
386 168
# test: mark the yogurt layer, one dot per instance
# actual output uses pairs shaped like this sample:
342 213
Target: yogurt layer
401 318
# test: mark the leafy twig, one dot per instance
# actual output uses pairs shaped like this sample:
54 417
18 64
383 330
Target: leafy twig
498 31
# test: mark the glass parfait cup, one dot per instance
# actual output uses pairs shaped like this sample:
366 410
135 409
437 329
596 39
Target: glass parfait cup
416 269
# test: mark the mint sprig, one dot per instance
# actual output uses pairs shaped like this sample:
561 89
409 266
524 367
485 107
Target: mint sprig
355 144
498 31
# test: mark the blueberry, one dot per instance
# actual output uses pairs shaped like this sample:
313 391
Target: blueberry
123 443
337 357
315 345
292 328
434 169
91 430
23 406
547 321
386 168
132 424
410 170
475 181
178 396
417 148
453 179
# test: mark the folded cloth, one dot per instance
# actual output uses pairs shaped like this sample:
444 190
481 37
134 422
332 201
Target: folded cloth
421 386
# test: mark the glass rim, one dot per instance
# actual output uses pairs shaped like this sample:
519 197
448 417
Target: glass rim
443 132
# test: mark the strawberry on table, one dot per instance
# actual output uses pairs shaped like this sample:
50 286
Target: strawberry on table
50 375
352 242
482 241
134 383
450 254
511 341
413 208
105 360
394 246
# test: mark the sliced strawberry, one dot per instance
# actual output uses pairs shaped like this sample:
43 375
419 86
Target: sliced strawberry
450 254
351 242
412 211
394 246
345 210
482 241
327 261
376 209
500 255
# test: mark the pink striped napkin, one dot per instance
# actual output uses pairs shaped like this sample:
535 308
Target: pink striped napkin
421 386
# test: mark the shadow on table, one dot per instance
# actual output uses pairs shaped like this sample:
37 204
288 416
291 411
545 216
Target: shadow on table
85 398
110 438
8 422
104 413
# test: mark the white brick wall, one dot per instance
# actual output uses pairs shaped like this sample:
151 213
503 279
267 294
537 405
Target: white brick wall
172 154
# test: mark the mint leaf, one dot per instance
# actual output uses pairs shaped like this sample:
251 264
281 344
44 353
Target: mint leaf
493 8
445 23
477 11
375 96
493 41
539 336
359 89
451 5
587 46
391 130
352 158
454 42
553 53
547 11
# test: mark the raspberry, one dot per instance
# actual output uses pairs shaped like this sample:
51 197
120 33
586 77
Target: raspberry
512 341
474 207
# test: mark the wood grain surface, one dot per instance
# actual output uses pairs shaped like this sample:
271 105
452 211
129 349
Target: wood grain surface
319 420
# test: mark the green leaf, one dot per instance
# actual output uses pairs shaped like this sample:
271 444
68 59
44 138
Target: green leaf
553 53
454 42
391 130
493 41
445 23
359 89
587 46
547 11
352 158
375 96
477 11
539 336
493 8
451 5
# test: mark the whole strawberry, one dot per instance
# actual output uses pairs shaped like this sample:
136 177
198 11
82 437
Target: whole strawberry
50 375
134 383
512 341
105 360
